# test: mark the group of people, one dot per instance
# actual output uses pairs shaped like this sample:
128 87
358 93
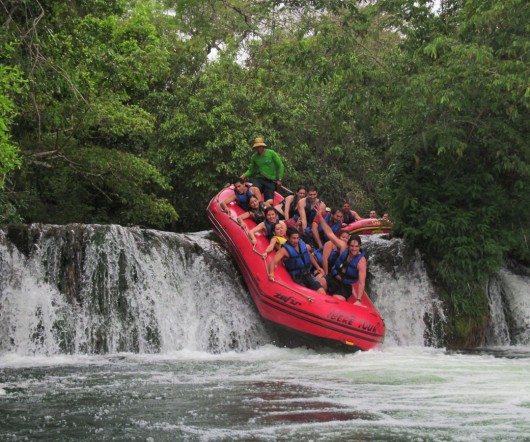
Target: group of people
308 239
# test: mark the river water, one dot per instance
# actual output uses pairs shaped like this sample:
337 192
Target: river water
268 394
152 336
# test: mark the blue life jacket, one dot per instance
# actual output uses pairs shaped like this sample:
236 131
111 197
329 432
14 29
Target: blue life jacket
242 199
297 263
347 217
332 258
318 255
310 213
334 228
352 272
268 226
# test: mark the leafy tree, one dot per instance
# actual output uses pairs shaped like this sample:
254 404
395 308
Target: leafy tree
89 65
460 157
11 84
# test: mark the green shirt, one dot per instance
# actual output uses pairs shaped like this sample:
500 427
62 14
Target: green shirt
268 165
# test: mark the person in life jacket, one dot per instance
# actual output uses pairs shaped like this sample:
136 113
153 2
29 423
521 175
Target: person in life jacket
242 194
271 218
256 212
288 206
349 268
330 251
308 208
348 215
297 259
333 219
278 239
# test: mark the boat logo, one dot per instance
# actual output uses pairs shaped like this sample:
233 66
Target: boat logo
339 317
287 299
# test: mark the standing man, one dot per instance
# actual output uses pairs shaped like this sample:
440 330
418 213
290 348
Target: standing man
266 169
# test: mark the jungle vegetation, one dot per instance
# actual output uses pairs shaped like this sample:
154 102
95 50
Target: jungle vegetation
137 111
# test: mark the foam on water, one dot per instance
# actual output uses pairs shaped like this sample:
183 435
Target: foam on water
271 393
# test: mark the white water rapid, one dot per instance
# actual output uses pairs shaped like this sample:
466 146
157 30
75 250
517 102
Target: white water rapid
88 289
111 333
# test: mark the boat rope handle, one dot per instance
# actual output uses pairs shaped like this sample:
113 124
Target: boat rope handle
308 298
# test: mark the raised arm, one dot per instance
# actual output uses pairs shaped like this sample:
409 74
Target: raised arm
329 233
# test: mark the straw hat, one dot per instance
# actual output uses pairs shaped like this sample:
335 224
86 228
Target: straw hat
258 142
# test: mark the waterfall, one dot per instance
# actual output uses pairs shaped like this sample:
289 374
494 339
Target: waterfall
107 289
509 301
401 290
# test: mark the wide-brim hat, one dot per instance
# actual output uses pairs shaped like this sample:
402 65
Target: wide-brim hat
259 142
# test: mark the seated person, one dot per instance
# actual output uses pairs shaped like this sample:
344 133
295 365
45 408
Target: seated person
279 237
271 218
373 214
333 219
330 252
308 208
349 216
242 194
287 208
256 212
297 258
349 268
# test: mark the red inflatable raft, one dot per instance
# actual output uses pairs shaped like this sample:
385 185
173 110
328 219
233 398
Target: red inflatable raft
287 304
369 226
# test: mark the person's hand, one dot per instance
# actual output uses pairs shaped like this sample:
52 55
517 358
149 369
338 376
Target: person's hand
271 276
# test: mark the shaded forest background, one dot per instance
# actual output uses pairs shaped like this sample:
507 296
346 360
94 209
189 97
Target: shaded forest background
137 112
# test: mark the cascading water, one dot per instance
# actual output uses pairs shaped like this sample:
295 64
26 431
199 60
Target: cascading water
106 289
72 297
403 293
509 299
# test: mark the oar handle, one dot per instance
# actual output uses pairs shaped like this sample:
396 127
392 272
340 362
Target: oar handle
285 189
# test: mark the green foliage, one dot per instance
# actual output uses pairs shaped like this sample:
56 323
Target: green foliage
136 111
460 159
83 128
101 185
11 83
